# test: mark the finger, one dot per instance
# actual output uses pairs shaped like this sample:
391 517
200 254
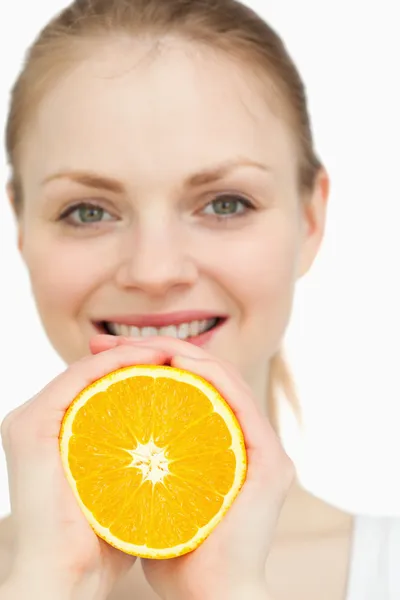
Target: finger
170 345
175 347
243 405
42 417
91 368
262 442
267 459
192 358
102 342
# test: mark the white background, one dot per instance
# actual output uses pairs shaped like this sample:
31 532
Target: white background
343 341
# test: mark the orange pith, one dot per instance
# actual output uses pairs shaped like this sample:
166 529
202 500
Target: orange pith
155 457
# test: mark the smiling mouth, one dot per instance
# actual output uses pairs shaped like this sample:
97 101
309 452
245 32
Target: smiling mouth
182 331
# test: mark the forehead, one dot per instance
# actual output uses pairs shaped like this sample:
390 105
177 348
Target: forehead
172 107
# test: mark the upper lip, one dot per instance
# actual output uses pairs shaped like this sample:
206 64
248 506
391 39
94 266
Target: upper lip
163 320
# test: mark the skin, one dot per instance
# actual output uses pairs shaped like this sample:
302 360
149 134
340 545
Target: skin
150 124
160 246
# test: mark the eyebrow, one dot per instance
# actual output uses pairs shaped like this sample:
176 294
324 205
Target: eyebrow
216 173
207 176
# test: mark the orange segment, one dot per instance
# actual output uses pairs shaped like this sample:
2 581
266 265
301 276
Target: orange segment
115 486
177 527
137 415
155 458
88 456
178 406
131 525
198 501
215 470
210 433
100 419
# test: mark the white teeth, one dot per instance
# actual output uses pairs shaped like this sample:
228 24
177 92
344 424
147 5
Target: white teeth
148 331
194 328
170 331
182 331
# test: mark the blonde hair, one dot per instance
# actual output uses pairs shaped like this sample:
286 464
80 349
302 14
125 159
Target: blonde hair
224 25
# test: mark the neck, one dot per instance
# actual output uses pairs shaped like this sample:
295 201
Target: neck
259 384
303 514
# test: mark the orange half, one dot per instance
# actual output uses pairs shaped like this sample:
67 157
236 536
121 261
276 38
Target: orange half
155 457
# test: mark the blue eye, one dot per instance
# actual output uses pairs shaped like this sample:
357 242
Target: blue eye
85 214
228 206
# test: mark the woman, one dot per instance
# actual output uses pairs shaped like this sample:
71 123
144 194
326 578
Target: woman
166 186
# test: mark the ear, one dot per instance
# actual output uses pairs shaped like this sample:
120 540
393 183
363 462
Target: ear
313 215
12 199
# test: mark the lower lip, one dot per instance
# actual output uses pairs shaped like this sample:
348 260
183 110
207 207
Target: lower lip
198 340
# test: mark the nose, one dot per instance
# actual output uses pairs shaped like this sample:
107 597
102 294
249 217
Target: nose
155 259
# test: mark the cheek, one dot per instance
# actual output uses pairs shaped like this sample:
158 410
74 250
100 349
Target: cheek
270 272
62 272
262 277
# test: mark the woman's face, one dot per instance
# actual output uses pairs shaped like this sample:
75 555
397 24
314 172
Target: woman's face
161 192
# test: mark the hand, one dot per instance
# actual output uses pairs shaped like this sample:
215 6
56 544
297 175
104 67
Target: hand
55 544
230 563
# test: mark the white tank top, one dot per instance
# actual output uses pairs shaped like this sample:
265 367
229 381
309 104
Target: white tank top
375 559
